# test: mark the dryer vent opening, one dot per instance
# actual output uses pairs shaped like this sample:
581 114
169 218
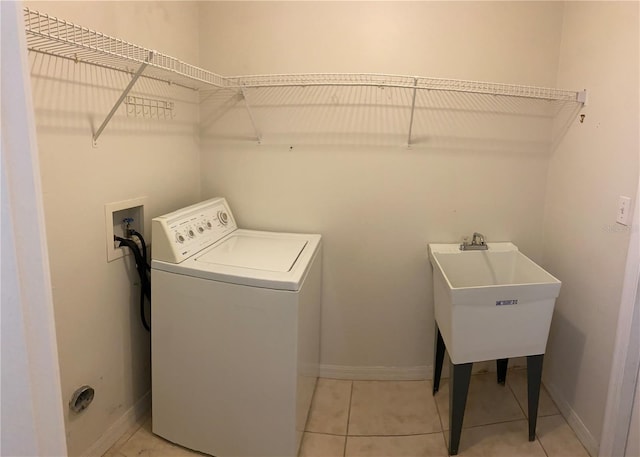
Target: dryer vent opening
81 398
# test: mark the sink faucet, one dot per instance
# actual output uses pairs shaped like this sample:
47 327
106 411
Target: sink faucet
477 243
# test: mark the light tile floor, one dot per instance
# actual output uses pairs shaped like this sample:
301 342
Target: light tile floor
403 419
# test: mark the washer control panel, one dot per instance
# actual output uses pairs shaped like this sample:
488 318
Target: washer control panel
177 236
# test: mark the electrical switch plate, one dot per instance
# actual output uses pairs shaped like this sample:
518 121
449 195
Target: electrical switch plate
624 210
114 214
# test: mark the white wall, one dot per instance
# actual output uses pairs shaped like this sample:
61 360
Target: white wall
31 421
336 162
595 163
101 341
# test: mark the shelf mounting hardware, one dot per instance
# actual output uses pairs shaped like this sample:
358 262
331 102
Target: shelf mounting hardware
581 97
122 98
413 108
243 94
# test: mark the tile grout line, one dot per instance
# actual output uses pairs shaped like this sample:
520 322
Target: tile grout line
313 399
437 408
136 427
410 434
326 433
306 422
540 441
394 436
493 423
526 413
541 445
442 431
346 437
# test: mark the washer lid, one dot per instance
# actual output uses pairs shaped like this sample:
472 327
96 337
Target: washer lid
269 260
255 252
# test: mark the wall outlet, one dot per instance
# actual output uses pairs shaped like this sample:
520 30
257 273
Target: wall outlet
624 210
114 214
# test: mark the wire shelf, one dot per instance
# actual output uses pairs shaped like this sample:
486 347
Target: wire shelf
512 90
322 79
408 82
50 35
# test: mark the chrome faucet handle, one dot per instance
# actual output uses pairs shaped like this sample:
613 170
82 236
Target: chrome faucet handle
478 239
477 243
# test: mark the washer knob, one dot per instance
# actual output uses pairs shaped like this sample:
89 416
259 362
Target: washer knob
223 217
191 233
179 237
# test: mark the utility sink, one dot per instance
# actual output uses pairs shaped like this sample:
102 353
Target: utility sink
491 304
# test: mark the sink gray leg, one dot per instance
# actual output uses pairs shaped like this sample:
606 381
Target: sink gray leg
438 357
534 378
501 365
458 390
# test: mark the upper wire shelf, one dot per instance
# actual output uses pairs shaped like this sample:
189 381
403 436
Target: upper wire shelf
408 82
50 35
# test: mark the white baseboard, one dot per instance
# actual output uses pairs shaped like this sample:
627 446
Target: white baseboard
132 417
415 373
375 373
582 432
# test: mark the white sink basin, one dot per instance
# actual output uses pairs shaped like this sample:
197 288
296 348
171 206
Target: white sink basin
491 304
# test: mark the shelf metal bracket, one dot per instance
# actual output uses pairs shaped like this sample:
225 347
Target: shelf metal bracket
581 97
413 108
253 122
122 98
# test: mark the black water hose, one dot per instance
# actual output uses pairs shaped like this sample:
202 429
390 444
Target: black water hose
144 248
141 267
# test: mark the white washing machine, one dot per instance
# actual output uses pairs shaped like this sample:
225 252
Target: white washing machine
235 333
